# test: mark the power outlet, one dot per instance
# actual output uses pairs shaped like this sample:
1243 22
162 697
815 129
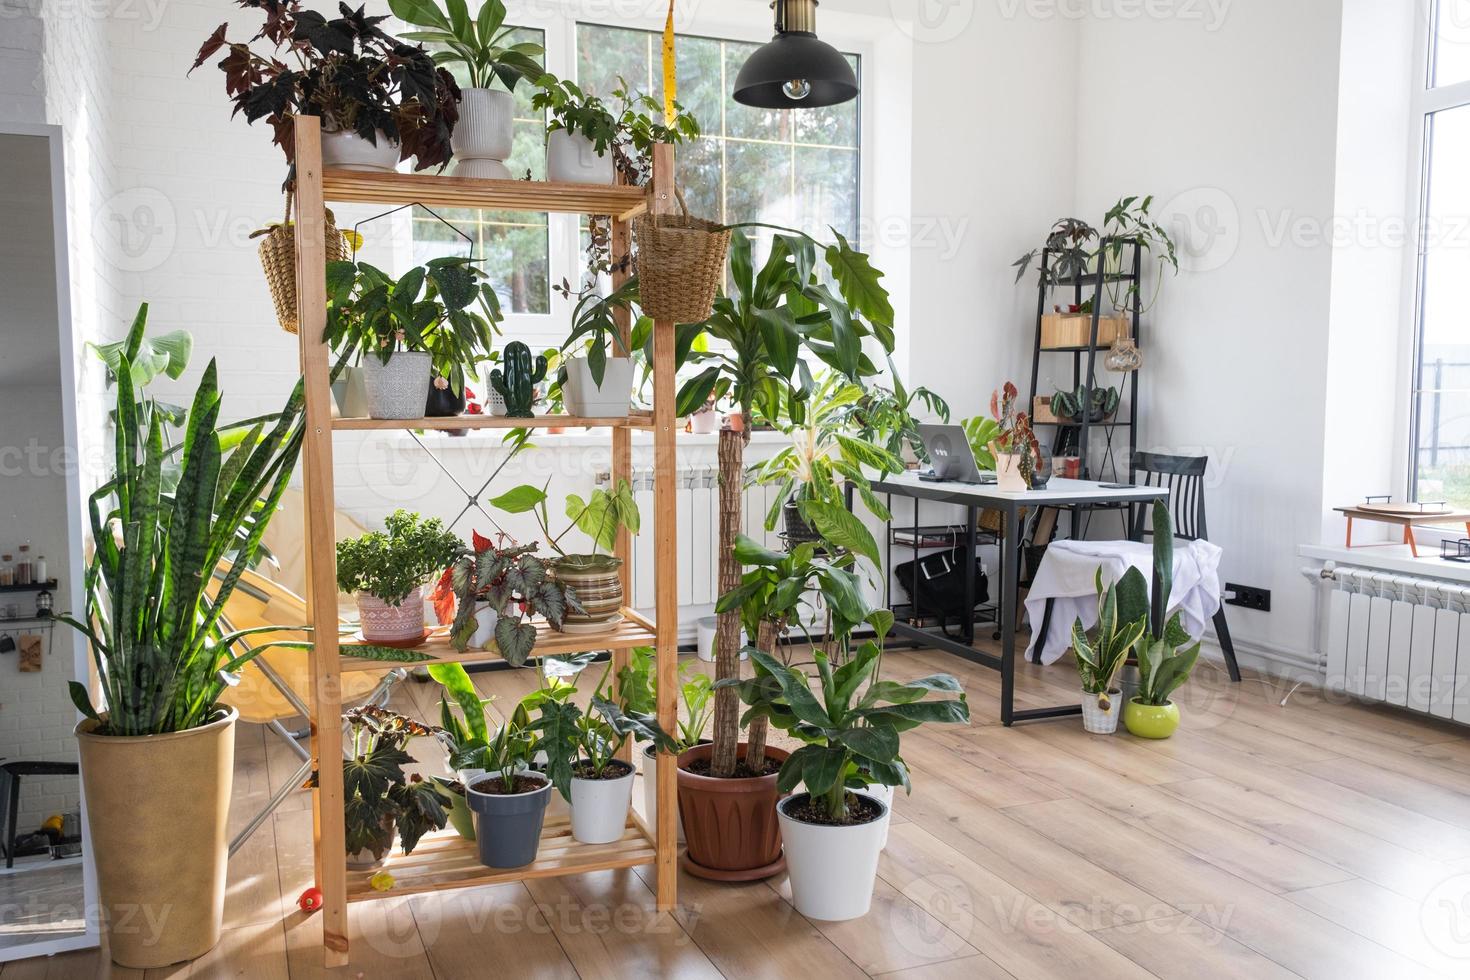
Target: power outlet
1249 598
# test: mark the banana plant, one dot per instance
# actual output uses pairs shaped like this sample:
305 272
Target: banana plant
483 46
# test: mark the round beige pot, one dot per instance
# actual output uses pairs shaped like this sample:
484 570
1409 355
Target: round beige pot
159 808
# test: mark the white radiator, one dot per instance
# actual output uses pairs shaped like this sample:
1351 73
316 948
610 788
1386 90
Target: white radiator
1400 640
698 495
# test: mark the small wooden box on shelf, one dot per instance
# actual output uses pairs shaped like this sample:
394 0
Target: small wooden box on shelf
1064 331
440 861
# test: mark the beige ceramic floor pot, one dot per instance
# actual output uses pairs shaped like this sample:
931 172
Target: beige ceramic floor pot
159 807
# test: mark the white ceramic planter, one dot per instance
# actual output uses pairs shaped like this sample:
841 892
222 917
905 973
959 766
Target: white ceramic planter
484 635
1008 478
383 623
600 808
396 390
884 795
650 795
483 138
1095 719
831 869
586 398
345 150
705 631
705 423
572 158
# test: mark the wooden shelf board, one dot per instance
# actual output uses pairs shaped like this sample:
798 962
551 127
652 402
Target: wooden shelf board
494 422
496 195
634 631
444 860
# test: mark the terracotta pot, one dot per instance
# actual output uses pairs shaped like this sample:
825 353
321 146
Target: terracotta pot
730 824
159 808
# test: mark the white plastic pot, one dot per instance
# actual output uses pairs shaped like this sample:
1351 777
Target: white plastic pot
831 869
650 795
600 807
584 397
345 150
572 158
483 138
706 422
1095 719
705 631
884 795
485 620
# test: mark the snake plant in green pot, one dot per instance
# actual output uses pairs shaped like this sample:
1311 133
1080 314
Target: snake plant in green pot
1166 654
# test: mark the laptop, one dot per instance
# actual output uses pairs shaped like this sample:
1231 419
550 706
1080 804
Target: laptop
950 455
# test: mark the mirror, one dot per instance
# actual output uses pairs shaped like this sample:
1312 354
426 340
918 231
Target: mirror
45 885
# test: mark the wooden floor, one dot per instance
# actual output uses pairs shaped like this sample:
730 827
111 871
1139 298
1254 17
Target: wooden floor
1261 841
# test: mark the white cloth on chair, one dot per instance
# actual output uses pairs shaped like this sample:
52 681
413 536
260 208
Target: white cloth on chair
1066 576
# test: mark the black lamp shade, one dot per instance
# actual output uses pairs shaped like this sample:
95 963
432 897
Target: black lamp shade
792 56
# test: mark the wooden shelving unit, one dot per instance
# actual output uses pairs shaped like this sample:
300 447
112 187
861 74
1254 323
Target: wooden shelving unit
442 861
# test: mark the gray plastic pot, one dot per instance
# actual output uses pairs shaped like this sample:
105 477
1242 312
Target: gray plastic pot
508 828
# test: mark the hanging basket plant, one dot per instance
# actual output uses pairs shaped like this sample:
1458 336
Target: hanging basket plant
278 259
681 264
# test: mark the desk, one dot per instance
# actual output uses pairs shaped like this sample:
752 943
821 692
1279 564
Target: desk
1405 519
1058 493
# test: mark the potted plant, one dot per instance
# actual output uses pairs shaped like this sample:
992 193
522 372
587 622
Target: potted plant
380 100
172 529
407 330
588 141
387 569
822 461
594 577
491 594
461 735
749 349
885 417
1120 624
582 749
1076 248
1014 446
1165 656
852 726
636 685
1085 404
382 801
483 48
598 382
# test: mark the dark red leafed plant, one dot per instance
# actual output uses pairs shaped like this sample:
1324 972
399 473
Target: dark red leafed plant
346 70
1015 436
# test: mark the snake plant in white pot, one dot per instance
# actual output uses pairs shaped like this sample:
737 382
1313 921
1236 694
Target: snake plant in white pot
1121 620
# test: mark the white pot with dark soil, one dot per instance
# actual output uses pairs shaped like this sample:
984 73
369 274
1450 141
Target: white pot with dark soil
395 390
346 150
573 158
484 136
508 821
832 867
884 795
586 398
600 804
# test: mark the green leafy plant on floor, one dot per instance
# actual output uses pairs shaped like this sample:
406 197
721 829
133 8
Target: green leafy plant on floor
1165 654
169 554
1121 621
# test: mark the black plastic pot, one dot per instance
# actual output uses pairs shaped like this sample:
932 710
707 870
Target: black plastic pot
443 403
797 529
508 828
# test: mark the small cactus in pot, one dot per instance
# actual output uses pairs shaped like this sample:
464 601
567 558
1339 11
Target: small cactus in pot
516 381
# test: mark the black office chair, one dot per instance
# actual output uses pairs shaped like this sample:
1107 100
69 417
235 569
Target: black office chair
1184 476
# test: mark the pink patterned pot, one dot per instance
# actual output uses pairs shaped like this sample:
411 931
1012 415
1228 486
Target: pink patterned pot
382 623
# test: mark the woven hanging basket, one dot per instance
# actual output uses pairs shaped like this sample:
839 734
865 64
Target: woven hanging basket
278 259
681 263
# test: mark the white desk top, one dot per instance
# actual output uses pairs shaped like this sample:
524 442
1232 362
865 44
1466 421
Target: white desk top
1058 492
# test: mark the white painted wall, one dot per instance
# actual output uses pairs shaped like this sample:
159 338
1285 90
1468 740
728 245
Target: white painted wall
1232 124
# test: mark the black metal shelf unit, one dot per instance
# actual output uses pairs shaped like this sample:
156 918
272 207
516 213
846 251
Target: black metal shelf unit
1076 438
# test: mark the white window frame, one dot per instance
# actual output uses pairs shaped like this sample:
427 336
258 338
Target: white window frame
1425 101
740 20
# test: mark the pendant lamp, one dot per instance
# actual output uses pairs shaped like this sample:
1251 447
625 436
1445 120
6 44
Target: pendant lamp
796 69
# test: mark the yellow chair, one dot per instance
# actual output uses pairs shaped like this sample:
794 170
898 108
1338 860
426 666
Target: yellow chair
269 684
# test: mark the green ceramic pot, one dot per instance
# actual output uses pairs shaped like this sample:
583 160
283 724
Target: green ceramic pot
1150 720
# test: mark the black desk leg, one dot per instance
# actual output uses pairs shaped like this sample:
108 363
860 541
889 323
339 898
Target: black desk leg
970 543
1008 574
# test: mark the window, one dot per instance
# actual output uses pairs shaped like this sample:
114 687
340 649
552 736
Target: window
795 169
1440 408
